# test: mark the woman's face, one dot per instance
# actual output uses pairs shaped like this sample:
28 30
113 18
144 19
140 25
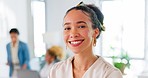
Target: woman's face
78 31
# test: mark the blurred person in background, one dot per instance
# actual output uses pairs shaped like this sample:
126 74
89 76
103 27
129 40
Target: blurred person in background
53 55
17 54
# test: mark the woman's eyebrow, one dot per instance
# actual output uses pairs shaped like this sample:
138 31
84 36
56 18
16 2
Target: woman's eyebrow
66 23
81 22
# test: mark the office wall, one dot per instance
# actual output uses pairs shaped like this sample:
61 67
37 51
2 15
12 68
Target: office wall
146 36
55 11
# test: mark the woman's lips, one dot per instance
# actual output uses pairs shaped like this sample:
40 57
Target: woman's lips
75 43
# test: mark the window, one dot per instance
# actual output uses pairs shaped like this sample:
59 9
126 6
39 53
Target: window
7 20
125 27
38 9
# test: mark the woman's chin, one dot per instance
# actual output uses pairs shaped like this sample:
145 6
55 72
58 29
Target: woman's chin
76 51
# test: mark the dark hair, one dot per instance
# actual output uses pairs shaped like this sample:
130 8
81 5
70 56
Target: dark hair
52 53
94 13
14 30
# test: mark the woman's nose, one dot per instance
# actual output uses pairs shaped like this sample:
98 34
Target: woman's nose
74 33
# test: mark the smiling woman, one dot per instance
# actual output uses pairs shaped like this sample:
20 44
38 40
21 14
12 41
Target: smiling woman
82 26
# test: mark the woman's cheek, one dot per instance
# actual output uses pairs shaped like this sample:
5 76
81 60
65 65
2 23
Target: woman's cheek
85 33
65 37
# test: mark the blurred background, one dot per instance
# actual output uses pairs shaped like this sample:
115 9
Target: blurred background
40 24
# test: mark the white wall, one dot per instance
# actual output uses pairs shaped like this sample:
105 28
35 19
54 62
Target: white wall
55 11
30 28
146 36
146 29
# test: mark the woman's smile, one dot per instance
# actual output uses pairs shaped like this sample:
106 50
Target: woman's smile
75 43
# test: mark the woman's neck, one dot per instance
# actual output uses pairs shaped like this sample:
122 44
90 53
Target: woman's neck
84 60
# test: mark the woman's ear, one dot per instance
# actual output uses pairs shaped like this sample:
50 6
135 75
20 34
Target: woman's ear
96 32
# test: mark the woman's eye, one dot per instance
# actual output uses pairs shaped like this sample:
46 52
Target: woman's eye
82 26
67 28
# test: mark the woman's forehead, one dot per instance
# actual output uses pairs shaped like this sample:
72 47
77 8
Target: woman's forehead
76 15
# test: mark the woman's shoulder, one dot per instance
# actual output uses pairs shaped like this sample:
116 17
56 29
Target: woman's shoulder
61 68
108 69
103 62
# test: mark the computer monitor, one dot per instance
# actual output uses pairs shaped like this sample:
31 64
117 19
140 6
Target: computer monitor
27 74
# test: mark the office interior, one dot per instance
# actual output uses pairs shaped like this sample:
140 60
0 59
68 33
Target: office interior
40 24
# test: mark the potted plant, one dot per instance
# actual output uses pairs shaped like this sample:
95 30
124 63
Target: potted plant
121 61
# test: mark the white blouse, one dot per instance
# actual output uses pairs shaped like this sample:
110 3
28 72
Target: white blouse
99 69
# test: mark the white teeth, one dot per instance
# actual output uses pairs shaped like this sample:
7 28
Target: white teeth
76 42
